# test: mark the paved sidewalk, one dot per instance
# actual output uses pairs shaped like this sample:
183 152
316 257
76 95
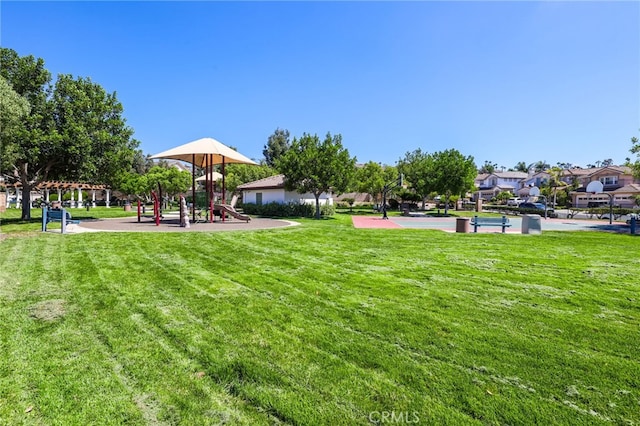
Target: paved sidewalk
448 224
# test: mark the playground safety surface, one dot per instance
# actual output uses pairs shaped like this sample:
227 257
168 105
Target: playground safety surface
131 224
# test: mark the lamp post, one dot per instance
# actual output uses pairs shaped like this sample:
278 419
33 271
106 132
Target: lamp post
386 189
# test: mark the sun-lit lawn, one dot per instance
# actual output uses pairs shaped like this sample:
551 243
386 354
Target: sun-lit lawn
319 324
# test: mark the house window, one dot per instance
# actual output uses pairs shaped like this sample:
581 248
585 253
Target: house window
259 198
609 180
493 182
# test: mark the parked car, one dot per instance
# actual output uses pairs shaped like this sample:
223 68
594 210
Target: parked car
537 206
514 202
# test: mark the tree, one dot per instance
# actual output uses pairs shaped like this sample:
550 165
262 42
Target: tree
417 167
452 174
635 149
540 166
13 108
370 179
488 167
73 131
237 174
169 181
315 166
134 184
29 146
522 167
555 181
277 145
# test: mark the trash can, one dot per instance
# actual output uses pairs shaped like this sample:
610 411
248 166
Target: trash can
531 224
462 225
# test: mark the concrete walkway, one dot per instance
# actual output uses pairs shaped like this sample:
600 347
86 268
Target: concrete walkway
448 224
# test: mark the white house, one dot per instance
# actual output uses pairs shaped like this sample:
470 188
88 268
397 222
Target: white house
271 190
490 185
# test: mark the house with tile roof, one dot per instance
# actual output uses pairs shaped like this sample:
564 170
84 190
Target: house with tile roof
616 180
490 185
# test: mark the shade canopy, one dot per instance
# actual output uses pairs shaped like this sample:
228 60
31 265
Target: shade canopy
196 153
212 177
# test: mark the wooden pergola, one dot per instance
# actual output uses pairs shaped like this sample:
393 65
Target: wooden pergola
64 186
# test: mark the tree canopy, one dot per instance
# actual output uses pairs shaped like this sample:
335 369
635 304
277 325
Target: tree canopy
238 174
635 149
277 145
417 168
73 130
488 167
372 177
452 173
315 166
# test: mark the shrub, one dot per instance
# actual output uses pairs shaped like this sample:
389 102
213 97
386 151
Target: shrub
280 210
327 210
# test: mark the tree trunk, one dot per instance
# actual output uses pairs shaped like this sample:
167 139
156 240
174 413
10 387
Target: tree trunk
26 199
446 204
317 205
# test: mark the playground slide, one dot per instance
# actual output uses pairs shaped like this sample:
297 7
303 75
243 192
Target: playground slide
232 212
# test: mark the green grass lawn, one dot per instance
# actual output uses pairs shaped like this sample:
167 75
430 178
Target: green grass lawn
11 222
319 324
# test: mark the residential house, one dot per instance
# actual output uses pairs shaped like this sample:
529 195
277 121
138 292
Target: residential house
537 179
617 181
272 190
490 185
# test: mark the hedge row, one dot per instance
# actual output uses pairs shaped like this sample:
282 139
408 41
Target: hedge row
286 210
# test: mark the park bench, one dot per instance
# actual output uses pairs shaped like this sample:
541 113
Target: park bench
490 221
57 215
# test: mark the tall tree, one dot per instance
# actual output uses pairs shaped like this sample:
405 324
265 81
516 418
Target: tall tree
30 149
277 145
555 182
416 167
94 136
370 179
521 167
540 166
13 108
74 131
452 173
488 167
635 149
315 166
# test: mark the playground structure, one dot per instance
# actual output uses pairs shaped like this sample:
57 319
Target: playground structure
156 209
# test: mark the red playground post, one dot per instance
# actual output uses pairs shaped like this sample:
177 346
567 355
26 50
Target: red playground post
138 211
156 208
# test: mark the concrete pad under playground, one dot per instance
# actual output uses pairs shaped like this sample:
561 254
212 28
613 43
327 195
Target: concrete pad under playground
448 224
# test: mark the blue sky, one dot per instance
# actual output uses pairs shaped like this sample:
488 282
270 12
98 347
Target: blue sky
501 81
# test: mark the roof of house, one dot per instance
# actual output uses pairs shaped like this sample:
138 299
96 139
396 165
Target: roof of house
271 182
615 169
631 188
